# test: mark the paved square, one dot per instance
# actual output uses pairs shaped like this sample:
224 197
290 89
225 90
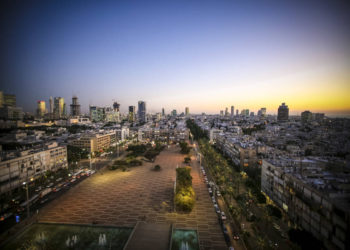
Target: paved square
141 194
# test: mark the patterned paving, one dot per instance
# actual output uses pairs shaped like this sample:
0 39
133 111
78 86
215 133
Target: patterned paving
141 194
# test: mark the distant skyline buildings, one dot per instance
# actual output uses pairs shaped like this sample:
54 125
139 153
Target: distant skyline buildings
296 52
141 112
283 112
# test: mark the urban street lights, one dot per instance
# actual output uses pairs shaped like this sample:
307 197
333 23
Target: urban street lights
27 194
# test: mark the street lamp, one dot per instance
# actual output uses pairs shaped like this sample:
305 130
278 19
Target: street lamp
27 194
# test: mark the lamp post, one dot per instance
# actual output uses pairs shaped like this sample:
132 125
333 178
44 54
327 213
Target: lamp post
27 195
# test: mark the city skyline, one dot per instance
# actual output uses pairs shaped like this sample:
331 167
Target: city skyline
203 55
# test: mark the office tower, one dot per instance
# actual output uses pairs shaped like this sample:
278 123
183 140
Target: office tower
1 99
41 109
9 100
306 116
262 112
132 111
187 111
232 110
226 111
51 105
221 113
237 112
97 114
163 112
252 114
283 113
174 112
116 106
75 107
142 111
59 107
245 112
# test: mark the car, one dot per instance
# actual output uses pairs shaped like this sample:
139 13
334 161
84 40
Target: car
43 201
217 210
38 189
235 236
218 193
223 216
50 185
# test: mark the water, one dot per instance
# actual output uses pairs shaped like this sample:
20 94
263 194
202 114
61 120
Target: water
58 236
184 240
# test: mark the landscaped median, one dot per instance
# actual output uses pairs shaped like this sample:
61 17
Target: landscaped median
184 193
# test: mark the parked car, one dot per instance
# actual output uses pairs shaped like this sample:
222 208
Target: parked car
223 216
235 236
218 193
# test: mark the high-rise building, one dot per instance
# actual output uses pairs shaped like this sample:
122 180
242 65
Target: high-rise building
237 112
1 99
283 113
174 112
187 111
306 116
51 105
59 107
9 100
116 106
245 112
97 114
142 111
226 111
75 107
132 112
163 112
232 110
41 109
221 113
262 112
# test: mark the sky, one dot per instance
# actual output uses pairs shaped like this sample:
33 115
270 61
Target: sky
206 55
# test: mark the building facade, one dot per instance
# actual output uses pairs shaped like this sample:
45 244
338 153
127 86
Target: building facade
31 164
75 107
142 111
283 113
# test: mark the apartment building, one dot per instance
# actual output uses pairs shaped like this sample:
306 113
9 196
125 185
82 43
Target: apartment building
314 199
23 166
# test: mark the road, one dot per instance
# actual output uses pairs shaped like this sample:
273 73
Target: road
229 223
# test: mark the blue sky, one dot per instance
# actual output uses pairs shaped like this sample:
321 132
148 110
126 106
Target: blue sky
207 55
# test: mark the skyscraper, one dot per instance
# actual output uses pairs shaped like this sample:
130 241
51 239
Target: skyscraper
59 107
306 116
1 99
226 111
187 111
163 112
75 107
262 112
232 110
9 100
283 113
142 111
116 106
51 105
132 110
41 109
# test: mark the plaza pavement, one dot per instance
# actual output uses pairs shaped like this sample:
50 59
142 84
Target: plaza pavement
141 194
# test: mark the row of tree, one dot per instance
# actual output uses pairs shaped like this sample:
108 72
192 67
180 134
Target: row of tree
184 196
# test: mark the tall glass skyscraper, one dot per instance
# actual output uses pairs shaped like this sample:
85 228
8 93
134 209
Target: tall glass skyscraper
142 111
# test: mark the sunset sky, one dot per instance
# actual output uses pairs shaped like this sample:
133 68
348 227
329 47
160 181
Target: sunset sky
206 55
